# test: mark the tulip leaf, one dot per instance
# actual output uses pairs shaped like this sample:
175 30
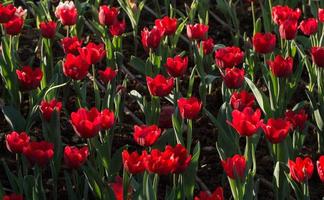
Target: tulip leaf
115 163
69 187
29 187
14 118
138 64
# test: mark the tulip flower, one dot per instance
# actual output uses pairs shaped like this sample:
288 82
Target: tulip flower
29 78
309 26
297 119
321 15
151 38
301 170
276 130
107 119
86 123
216 195
118 28
117 188
14 26
181 156
47 108
67 13
246 122
167 25
165 119
234 167
92 53
16 141
281 67
283 13
320 167
159 85
48 29
176 66
189 108
108 15
233 78
75 67
6 13
13 196
145 135
288 29
107 75
207 45
228 57
318 55
39 153
71 45
242 99
264 43
197 31
75 157
133 162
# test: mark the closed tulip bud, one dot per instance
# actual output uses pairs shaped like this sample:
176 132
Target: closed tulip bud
67 13
309 26
167 25
288 29
207 45
281 67
321 15
71 45
75 67
241 100
189 108
151 38
16 141
107 119
92 53
320 167
197 31
301 170
13 196
75 157
133 162
165 119
118 28
29 78
276 130
108 15
216 195
228 57
14 26
176 66
117 188
107 75
159 85
47 108
39 153
318 55
86 123
264 43
6 13
48 29
145 135
233 78
234 167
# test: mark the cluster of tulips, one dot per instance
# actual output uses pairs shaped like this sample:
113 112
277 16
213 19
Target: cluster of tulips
84 61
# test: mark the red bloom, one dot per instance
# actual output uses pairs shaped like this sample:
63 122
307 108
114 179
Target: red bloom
234 167
283 13
189 108
242 99
108 15
176 66
288 29
216 195
301 170
181 157
145 135
165 119
67 13
246 122
208 46
118 28
107 119
39 153
297 119
15 141
151 38
159 85
71 45
86 123
264 43
75 157
167 25
48 29
133 162
75 67
107 75
117 188
320 167
228 57
7 13
47 108
14 26
29 78
13 196
309 26
321 15
197 31
234 77
276 130
281 67
318 55
92 53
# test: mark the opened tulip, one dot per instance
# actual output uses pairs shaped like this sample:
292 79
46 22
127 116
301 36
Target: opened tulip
108 15
29 78
301 170
320 167
39 153
176 66
318 55
107 119
216 195
297 119
133 162
6 13
321 15
240 100
309 26
71 45
189 108
165 119
86 123
288 29
47 108
197 31
118 28
234 167
264 43
16 141
159 85
67 13
246 122
92 53
283 13
151 38
146 135
48 29
75 157
14 26
233 78
13 196
167 25
107 75
207 45
276 130
181 156
228 57
75 67
281 67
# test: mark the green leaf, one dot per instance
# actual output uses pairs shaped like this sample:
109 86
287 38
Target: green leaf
116 163
14 118
138 64
69 187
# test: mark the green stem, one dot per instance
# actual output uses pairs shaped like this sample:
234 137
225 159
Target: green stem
189 135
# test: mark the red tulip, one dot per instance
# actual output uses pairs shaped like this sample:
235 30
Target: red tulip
6 13
288 29
246 122
301 170
309 26
16 141
189 108
133 162
216 195
107 75
48 29
283 13
264 43
318 55
13 196
92 53
75 67
107 119
176 66
165 119
197 31
151 38
39 153
145 135
108 15
242 99
321 15
207 45
167 25
117 188
86 123
29 78
234 77
276 130
47 108
297 119
118 28
75 157
14 26
320 167
181 157
234 167
67 13
228 57
71 45
281 67
159 85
